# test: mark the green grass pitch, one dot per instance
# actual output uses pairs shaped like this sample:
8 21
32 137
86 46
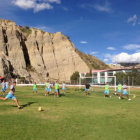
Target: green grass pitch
74 116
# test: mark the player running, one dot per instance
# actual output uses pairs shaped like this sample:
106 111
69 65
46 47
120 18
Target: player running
64 87
125 93
3 88
87 88
6 85
10 95
35 88
119 90
56 93
106 92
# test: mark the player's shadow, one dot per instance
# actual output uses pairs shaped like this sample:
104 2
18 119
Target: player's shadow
25 105
62 94
28 104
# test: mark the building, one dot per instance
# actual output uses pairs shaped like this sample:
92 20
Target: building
103 76
2 78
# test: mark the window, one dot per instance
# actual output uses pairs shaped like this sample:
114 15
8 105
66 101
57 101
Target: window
128 71
102 74
110 73
95 74
119 71
82 74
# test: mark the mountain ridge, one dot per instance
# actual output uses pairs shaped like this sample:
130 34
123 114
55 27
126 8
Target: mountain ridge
38 55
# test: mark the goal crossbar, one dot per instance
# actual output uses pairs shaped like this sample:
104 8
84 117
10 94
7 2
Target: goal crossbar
98 77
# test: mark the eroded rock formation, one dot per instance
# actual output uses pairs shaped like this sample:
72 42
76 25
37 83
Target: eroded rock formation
37 55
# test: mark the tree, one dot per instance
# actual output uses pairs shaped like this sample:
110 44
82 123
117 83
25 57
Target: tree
75 77
135 77
27 27
131 78
89 74
121 77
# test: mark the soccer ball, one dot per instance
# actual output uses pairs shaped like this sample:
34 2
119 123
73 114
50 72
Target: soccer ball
40 109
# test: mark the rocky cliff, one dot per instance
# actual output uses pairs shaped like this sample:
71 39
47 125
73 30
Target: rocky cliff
37 55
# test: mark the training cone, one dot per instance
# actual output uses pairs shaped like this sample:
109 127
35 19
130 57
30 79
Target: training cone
40 109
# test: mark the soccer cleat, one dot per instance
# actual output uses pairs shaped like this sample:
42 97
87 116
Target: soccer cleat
19 107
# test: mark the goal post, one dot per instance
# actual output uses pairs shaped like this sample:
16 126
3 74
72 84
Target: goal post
98 81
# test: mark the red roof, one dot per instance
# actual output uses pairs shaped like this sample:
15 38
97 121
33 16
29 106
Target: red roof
2 78
107 70
99 71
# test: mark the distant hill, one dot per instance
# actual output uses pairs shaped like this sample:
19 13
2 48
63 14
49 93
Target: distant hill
129 64
37 55
92 61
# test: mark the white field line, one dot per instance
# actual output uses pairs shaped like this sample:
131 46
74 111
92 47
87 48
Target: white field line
73 85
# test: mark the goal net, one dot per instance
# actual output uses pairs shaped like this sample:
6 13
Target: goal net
98 83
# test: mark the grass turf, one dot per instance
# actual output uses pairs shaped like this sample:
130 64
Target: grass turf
71 117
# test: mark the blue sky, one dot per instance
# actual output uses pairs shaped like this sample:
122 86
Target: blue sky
107 29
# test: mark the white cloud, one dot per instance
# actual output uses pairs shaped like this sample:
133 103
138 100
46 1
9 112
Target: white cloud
111 48
106 60
24 4
126 58
108 57
103 8
94 53
42 6
51 1
132 47
132 20
36 5
56 1
83 42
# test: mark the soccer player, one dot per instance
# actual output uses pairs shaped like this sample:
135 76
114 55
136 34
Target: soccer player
6 85
48 88
35 88
53 83
87 88
64 87
3 88
119 90
106 92
56 93
10 95
125 93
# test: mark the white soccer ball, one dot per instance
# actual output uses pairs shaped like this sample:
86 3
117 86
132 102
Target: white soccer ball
40 109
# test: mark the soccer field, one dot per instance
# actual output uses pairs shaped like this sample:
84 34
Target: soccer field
74 116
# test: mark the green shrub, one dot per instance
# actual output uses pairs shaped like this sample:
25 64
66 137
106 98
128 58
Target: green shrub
26 30
75 77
